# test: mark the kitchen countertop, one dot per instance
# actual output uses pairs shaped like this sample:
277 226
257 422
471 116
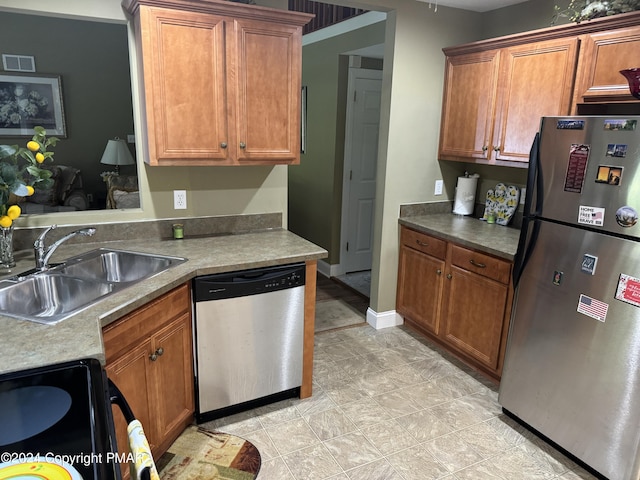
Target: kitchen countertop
25 344
468 231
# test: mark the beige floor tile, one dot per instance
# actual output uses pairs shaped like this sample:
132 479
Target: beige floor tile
318 402
459 413
424 425
291 436
417 464
397 403
516 463
263 443
352 450
312 463
330 423
378 470
453 452
365 412
426 394
275 468
485 439
389 437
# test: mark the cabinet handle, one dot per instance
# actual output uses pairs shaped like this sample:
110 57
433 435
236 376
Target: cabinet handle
449 276
158 353
223 145
438 272
243 145
485 148
422 244
496 149
477 264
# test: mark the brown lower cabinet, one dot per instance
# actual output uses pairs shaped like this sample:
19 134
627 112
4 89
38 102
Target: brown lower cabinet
456 296
149 358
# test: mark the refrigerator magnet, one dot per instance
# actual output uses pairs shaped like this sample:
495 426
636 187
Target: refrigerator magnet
609 175
626 216
570 124
628 289
620 124
576 168
592 308
616 150
589 263
591 216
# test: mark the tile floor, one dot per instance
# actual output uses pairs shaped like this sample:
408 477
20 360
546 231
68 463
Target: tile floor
388 405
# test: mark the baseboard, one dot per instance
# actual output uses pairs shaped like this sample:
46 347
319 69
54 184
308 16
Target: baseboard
328 270
383 319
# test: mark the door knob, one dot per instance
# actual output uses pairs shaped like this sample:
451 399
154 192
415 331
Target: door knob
223 145
243 145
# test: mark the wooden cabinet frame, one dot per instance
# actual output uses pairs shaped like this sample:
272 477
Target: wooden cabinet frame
461 298
221 82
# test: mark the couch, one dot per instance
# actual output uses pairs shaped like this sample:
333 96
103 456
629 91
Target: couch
66 194
122 191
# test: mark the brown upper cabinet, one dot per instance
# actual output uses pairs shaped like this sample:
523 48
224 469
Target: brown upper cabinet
221 82
496 90
602 57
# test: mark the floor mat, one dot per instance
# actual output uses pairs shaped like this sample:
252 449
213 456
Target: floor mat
200 453
332 314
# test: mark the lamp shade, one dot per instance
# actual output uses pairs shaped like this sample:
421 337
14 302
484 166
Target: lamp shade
117 153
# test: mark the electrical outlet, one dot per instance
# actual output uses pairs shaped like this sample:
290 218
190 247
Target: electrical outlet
180 199
523 195
438 189
131 138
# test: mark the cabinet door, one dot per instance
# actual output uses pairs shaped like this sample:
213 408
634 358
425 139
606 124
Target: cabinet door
266 91
535 80
173 378
184 83
474 312
132 377
468 105
420 288
602 57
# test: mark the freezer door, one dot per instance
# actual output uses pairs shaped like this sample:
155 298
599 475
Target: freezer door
572 366
590 171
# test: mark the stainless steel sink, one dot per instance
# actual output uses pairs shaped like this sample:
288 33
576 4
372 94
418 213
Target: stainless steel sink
50 297
61 291
117 266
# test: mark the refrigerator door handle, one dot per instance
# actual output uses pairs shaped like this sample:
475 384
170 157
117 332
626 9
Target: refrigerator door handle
526 242
535 186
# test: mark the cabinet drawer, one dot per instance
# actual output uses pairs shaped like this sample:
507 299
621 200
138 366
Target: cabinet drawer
136 326
424 243
481 264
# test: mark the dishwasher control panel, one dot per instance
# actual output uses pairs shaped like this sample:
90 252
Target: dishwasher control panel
248 282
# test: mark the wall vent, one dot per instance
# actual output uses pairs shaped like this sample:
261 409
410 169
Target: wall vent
18 63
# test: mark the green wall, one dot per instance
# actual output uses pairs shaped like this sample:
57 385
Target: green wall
96 85
315 186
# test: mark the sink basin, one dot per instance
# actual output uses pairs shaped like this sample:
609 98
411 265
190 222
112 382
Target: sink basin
50 297
81 281
117 266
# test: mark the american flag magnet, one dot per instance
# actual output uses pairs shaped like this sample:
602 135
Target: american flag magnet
593 308
591 216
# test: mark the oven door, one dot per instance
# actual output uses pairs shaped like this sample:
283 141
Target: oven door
55 419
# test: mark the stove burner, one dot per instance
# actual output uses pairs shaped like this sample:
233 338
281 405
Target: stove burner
27 411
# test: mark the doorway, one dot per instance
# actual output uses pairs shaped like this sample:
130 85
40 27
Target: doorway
359 175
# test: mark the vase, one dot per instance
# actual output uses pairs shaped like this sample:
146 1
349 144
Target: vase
633 77
6 248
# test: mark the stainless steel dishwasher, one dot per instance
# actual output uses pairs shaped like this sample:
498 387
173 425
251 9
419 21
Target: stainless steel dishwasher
249 328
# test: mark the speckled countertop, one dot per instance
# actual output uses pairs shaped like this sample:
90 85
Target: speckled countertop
25 344
468 231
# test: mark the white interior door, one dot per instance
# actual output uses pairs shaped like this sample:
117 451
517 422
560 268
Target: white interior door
361 154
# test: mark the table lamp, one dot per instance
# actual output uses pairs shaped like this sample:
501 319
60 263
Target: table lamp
117 153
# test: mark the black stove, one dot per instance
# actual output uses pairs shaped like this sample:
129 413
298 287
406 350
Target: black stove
58 416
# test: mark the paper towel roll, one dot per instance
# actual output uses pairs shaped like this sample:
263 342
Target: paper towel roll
465 196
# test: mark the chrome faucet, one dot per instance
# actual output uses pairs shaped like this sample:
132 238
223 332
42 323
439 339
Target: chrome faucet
43 254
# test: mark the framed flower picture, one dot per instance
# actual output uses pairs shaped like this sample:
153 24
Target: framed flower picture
27 101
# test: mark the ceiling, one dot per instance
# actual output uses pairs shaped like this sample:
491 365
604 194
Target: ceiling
475 5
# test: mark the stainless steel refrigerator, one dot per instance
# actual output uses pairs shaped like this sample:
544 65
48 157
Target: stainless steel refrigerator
572 365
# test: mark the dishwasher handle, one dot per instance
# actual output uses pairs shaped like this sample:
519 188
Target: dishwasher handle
248 282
